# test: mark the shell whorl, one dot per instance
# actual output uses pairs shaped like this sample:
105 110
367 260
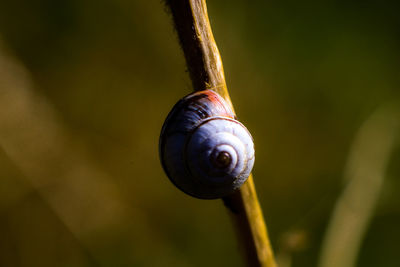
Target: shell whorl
203 149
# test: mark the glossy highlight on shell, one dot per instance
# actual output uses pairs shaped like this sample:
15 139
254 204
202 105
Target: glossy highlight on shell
204 150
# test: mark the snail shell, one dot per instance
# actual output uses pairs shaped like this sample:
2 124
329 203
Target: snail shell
204 151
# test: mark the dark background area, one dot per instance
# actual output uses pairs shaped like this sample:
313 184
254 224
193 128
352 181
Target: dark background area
101 76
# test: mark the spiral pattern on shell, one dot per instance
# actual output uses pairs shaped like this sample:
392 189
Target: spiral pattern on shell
204 151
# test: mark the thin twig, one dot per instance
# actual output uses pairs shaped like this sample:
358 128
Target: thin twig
206 71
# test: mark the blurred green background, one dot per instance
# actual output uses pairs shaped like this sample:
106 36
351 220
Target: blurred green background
86 85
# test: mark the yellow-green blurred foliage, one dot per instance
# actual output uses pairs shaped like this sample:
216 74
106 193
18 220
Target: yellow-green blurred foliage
86 85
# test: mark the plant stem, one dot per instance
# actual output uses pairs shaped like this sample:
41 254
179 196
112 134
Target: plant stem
206 71
365 173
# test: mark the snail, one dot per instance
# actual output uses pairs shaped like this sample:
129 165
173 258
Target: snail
203 149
